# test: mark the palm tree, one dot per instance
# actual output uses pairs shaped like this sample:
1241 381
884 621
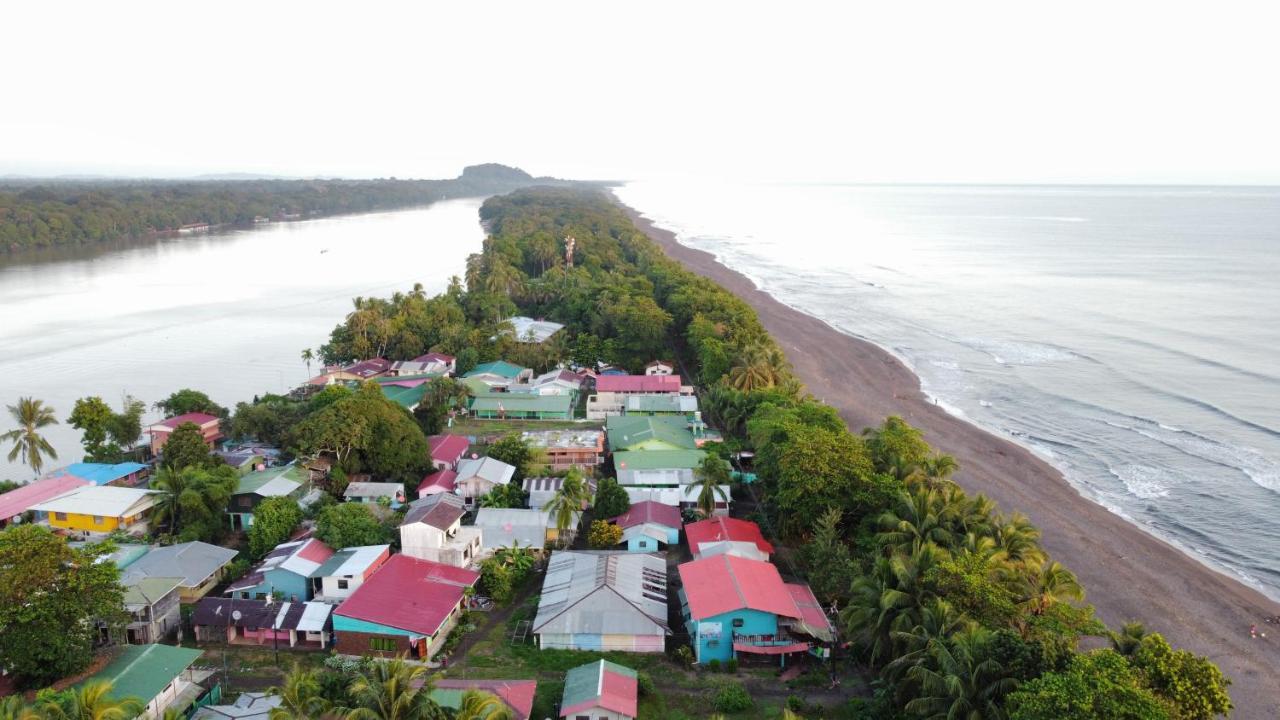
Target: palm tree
938 620
759 366
307 356
478 705
712 474
300 697
174 493
1048 583
959 680
918 518
93 701
520 559
935 471
1126 641
1017 541
13 708
889 601
393 690
566 505
31 415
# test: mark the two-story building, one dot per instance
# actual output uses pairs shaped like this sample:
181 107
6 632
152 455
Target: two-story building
432 530
478 477
153 608
559 450
252 489
346 570
284 573
611 393
208 424
198 567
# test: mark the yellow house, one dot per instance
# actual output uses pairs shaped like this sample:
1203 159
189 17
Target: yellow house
98 509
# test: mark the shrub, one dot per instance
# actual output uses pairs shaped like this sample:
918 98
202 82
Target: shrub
603 534
713 665
731 665
645 685
683 654
732 697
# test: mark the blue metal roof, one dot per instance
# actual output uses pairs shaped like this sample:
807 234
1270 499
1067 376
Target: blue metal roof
103 473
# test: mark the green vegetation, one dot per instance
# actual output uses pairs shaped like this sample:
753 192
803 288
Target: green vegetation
611 499
107 434
351 524
273 521
193 501
186 448
603 535
48 213
514 451
30 415
186 401
53 600
366 432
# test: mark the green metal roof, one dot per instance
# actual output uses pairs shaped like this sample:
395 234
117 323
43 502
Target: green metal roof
148 591
628 431
657 459
582 684
497 367
519 402
253 482
405 397
143 671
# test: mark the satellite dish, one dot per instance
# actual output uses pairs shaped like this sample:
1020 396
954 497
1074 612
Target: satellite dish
235 615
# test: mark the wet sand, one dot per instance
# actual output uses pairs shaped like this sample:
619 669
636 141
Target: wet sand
1128 573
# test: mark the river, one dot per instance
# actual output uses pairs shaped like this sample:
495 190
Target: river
228 313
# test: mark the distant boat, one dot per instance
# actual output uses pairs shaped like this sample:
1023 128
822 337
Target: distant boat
324 251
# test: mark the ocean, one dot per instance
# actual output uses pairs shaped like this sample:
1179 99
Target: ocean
1128 335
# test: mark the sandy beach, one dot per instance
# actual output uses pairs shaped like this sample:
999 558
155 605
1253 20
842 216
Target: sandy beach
1128 573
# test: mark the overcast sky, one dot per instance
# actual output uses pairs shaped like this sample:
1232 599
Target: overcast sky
891 91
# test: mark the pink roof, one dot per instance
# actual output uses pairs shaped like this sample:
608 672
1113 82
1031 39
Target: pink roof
369 368
721 528
517 694
437 357
404 382
638 383
19 500
649 511
409 594
200 419
810 610
447 448
315 551
618 694
441 481
724 583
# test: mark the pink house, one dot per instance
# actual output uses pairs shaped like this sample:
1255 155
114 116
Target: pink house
161 431
447 450
17 501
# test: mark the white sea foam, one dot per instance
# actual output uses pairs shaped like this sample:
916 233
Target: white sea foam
1262 470
1013 352
1143 481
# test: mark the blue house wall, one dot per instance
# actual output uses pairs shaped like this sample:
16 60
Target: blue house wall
646 544
713 637
290 586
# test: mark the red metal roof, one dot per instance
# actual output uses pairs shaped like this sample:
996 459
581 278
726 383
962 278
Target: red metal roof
440 481
724 583
200 419
618 692
447 448
718 529
638 383
315 551
369 368
438 357
517 694
19 500
409 594
649 511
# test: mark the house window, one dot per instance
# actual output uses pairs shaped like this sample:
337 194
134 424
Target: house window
382 644
713 643
244 501
343 584
644 543
737 622
98 519
59 516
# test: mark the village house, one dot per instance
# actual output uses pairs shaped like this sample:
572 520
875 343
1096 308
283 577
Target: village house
727 536
557 450
528 330
447 450
432 530
125 474
440 481
521 406
499 374
153 608
601 690
98 510
648 526
517 695
407 607
161 431
657 468
390 494
659 367
644 433
684 497
21 500
198 566
429 368
477 477
541 490
448 361
278 624
406 393
557 382
733 605
244 461
158 675
346 570
612 391
684 407
285 572
603 601
248 706
252 489
356 372
504 527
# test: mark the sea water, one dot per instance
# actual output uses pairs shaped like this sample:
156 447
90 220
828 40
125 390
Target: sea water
1129 335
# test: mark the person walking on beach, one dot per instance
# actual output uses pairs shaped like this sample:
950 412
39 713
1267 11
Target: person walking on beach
1253 631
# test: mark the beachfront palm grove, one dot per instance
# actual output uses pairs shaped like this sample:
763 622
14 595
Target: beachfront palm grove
948 605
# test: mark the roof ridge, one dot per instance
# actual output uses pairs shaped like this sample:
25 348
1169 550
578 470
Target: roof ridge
734 577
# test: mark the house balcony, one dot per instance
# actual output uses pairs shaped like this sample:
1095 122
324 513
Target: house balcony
776 644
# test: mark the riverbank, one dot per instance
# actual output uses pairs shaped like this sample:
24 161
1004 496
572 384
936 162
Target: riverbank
1129 574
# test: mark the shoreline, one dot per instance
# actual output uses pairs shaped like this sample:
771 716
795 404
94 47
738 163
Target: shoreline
1128 573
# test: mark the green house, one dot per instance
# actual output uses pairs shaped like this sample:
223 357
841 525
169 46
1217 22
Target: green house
501 368
640 432
519 406
406 397
153 674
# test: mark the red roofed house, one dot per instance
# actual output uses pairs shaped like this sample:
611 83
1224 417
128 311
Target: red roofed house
648 525
286 571
447 360
612 390
161 431
734 605
19 500
517 695
447 450
355 372
601 690
440 481
726 535
408 606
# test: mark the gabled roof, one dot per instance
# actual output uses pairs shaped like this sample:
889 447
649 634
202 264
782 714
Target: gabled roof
368 368
104 500
102 473
638 383
603 593
722 529
301 616
353 561
149 591
21 499
539 330
627 431
505 526
812 619
650 512
409 594
501 368
435 357
143 671
562 377
657 459
448 448
724 583
405 397
486 468
441 481
661 403
601 684
515 694
249 706
522 402
171 424
300 557
374 490
272 482
194 562
439 510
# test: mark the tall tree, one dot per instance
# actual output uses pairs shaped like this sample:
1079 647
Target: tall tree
611 499
393 690
186 448
93 417
829 566
307 356
31 415
514 451
186 401
479 705
52 598
274 519
192 501
300 697
350 524
566 505
710 476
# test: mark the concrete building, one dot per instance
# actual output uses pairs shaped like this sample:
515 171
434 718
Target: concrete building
432 530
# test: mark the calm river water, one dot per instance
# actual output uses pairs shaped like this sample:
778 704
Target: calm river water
227 313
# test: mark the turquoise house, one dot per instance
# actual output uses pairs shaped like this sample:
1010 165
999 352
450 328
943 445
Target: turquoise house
648 526
285 572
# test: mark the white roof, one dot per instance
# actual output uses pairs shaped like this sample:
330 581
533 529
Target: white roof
486 468
313 616
356 559
503 526
541 329
668 496
103 500
373 490
249 706
280 486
